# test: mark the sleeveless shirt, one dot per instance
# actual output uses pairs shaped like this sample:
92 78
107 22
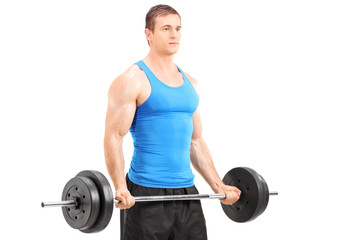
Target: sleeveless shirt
161 130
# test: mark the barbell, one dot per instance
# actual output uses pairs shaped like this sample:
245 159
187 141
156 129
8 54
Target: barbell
87 200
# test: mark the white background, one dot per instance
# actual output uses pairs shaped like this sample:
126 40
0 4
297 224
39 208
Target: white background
279 87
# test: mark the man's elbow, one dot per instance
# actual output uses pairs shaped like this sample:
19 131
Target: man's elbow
111 137
196 141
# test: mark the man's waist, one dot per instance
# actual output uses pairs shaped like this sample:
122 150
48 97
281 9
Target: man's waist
162 179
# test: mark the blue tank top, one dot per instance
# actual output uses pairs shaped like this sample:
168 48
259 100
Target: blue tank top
161 131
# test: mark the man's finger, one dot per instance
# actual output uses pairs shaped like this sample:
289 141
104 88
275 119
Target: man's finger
231 197
122 202
130 200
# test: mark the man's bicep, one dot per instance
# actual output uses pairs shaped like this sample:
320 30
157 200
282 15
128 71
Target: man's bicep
119 118
121 107
197 127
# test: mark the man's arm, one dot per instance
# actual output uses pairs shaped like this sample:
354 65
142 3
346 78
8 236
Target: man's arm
122 97
203 163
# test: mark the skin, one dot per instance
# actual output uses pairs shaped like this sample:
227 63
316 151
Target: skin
132 88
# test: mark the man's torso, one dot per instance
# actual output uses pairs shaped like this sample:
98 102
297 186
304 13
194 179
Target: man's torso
162 129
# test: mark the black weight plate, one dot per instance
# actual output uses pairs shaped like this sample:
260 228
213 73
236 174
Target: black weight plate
254 194
84 191
264 193
106 200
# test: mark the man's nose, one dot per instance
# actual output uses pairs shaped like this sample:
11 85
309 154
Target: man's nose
173 33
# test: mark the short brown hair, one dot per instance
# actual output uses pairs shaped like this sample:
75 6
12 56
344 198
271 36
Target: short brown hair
155 11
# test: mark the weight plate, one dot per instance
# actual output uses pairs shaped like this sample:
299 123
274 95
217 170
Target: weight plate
84 191
254 194
264 190
106 200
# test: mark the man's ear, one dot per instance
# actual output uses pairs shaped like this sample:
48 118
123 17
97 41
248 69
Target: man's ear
148 34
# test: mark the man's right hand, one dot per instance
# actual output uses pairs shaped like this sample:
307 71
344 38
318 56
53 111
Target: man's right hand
125 198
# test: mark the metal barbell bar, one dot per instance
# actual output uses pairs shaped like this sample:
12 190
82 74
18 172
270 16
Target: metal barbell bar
73 203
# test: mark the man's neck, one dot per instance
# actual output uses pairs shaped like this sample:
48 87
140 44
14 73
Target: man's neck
161 63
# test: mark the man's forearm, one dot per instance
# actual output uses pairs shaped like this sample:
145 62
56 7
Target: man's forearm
114 159
203 163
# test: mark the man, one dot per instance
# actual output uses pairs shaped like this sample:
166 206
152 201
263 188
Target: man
158 103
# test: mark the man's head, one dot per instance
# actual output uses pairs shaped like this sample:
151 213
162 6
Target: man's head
162 29
155 11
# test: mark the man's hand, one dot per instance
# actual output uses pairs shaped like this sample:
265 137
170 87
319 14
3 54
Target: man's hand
125 198
232 194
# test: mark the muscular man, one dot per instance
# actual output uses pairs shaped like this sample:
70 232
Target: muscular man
158 103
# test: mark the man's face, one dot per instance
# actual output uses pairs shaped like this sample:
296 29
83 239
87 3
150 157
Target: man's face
166 36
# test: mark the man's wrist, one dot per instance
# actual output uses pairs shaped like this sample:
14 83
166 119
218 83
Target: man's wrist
120 185
217 186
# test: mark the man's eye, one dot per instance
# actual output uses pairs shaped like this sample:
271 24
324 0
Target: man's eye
178 29
166 29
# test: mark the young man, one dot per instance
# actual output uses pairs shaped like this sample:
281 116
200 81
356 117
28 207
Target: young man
158 103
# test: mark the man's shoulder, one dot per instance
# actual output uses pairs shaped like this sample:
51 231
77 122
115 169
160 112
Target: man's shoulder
192 80
130 80
133 73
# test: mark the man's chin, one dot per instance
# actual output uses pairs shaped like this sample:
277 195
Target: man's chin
172 51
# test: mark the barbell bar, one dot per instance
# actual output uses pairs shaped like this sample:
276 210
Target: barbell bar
87 199
73 203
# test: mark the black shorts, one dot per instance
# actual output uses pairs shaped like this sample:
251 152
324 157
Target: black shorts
167 220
